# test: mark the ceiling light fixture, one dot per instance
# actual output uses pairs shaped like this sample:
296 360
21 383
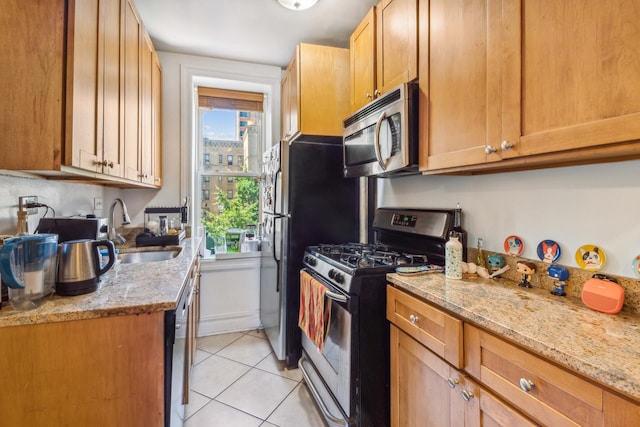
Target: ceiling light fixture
297 4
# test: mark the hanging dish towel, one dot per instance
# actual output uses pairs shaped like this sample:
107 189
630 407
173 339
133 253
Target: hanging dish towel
315 309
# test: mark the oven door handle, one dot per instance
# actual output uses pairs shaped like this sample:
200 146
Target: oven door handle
332 419
329 294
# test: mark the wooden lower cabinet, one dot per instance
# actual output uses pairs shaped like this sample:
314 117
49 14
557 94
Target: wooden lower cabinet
427 391
499 383
107 371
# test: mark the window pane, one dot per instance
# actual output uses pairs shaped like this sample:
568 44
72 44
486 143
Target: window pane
231 153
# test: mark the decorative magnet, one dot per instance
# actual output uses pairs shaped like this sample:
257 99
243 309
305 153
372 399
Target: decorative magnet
590 257
513 245
526 268
495 262
559 275
548 251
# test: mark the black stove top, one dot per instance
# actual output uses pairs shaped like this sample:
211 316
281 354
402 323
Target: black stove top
366 256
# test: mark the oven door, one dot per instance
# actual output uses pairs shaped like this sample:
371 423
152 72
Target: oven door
334 364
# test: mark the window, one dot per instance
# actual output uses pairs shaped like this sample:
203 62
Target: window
206 159
231 200
243 123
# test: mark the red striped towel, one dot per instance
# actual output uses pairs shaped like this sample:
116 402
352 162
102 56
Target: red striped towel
315 309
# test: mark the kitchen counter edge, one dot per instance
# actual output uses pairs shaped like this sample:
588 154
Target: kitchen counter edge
124 289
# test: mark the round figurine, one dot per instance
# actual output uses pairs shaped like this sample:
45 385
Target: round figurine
527 269
558 275
495 262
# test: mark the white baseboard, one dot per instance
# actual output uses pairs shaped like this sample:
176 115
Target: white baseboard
230 322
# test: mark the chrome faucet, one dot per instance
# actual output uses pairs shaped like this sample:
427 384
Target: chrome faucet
113 235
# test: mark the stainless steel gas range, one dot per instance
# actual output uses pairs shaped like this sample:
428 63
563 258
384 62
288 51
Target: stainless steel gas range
349 378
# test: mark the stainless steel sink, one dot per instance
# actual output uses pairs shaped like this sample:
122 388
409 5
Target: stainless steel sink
149 255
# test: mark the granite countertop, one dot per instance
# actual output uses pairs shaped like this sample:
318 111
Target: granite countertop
601 346
124 289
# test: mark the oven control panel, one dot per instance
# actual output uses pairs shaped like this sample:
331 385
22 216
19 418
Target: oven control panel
404 220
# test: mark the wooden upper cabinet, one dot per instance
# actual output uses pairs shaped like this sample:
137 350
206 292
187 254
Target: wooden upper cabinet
363 61
461 67
396 43
156 118
315 92
384 50
72 99
512 87
580 75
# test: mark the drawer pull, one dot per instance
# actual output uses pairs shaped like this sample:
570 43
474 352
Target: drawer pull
453 382
526 385
467 395
413 319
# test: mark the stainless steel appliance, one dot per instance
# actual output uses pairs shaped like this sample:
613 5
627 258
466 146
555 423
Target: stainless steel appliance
75 227
305 200
381 138
79 266
349 379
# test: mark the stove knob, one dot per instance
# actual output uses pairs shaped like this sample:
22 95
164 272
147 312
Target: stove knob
338 277
332 274
310 260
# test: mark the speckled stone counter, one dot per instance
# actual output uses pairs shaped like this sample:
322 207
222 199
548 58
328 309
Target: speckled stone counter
601 346
124 289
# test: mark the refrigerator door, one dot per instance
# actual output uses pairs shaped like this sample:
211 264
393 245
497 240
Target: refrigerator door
313 203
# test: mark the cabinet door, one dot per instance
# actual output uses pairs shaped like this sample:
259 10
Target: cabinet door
362 54
285 110
146 110
420 394
131 33
156 118
465 69
31 111
580 68
85 68
293 93
397 43
109 126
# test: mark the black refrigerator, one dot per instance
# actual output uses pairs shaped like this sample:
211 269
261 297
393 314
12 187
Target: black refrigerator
305 201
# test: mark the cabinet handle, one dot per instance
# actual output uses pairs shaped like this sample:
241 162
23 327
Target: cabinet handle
376 93
467 395
100 163
506 145
110 164
490 150
368 95
526 385
453 382
413 319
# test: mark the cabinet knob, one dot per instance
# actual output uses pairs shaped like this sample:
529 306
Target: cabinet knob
100 163
526 385
453 382
110 164
467 395
376 93
413 319
368 95
506 145
490 149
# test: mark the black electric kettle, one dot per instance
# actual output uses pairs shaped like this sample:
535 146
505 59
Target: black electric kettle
79 268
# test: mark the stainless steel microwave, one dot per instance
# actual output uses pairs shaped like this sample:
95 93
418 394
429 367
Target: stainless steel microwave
381 138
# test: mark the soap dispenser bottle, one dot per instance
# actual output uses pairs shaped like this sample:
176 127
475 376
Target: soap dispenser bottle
453 257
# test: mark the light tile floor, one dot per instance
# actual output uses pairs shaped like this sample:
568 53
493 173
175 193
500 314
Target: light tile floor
238 382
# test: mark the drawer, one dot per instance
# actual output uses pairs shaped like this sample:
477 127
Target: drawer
554 396
432 327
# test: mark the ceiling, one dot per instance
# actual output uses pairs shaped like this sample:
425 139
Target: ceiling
256 31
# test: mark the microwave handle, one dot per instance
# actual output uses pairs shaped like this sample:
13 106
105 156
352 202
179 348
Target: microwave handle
376 142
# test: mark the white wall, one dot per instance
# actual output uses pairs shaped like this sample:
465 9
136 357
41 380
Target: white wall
66 198
577 205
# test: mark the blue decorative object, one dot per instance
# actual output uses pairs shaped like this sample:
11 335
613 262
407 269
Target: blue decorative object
559 275
495 262
548 251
